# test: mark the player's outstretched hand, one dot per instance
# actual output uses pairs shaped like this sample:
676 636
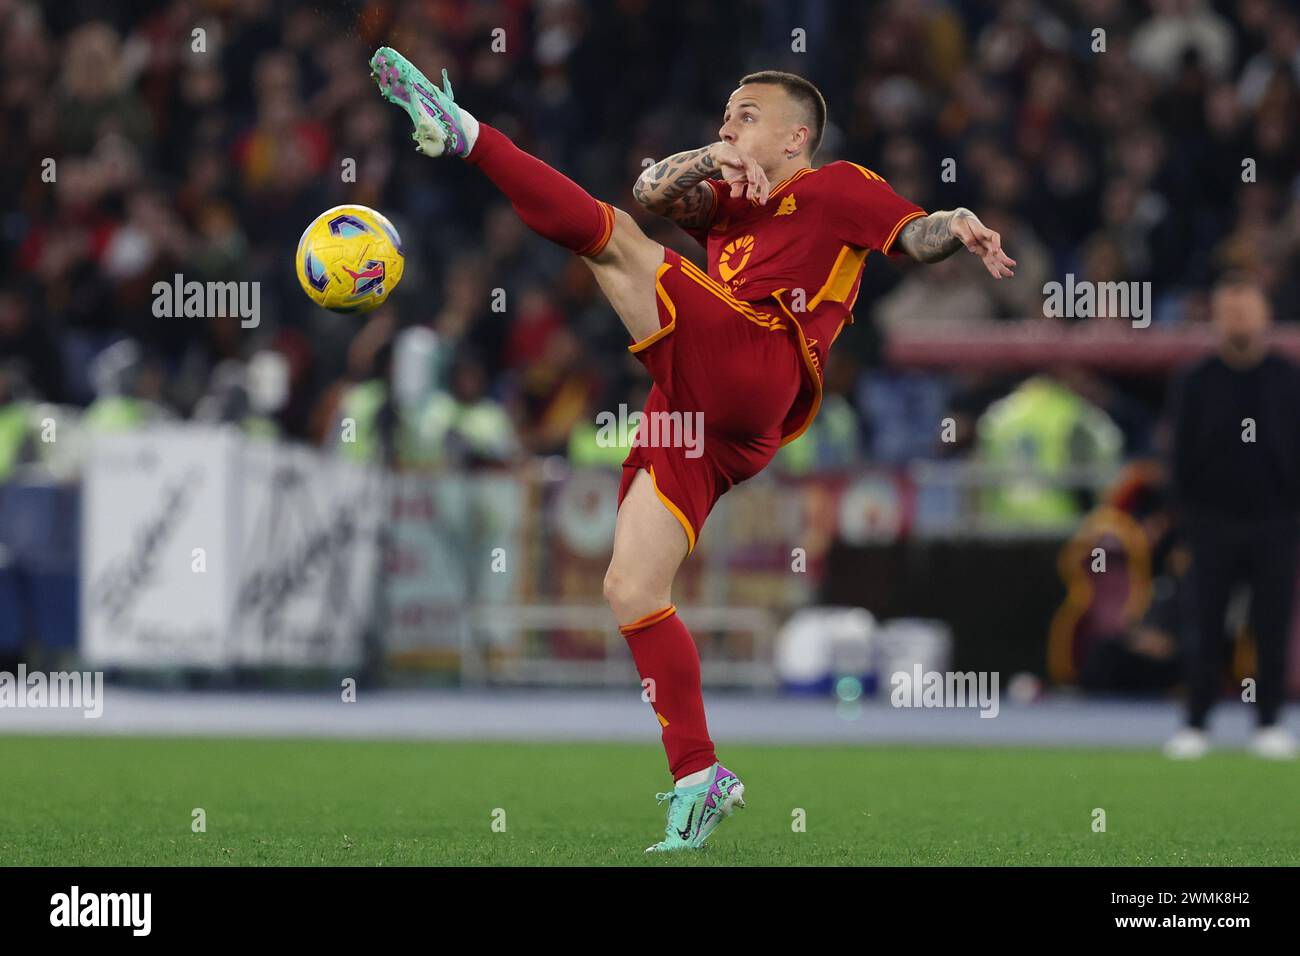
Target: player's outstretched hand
985 243
742 173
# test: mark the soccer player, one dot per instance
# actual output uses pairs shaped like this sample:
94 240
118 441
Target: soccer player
743 344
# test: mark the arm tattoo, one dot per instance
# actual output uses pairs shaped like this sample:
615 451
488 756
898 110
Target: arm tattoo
929 238
675 187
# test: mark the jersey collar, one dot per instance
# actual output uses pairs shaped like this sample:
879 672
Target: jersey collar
785 182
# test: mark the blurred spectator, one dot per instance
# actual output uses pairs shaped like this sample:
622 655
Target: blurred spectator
463 427
15 419
362 409
128 387
1140 653
604 435
1040 439
24 340
554 393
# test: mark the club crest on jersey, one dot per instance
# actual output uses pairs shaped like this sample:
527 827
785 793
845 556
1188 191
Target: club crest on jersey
368 280
787 206
734 256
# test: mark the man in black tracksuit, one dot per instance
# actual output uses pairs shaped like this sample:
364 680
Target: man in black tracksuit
1236 480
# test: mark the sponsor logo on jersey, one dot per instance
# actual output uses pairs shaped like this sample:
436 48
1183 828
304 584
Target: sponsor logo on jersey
734 256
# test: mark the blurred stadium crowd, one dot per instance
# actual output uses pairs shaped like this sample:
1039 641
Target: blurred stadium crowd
1115 166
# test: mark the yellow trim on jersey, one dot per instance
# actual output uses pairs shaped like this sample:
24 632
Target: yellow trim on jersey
740 305
901 223
839 282
676 512
785 182
668 304
875 177
771 323
811 365
695 272
853 301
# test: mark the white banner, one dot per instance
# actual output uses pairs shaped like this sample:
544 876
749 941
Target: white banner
204 549
307 557
156 548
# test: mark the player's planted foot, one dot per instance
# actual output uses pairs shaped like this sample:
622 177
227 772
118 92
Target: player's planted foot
441 126
1273 743
1188 744
695 812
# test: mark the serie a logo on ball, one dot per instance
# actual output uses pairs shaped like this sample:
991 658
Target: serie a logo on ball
349 259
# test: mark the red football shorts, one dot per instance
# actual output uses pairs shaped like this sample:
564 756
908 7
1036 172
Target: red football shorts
726 373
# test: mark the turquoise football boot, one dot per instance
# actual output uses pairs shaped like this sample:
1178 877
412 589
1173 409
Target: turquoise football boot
694 813
439 126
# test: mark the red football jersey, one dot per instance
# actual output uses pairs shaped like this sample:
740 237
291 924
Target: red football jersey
805 248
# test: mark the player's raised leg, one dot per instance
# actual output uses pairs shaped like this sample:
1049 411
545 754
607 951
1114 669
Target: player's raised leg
649 546
622 257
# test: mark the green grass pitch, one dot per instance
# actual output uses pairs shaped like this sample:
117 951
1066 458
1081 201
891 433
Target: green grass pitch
129 801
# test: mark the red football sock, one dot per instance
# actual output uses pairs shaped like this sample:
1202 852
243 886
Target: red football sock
665 653
550 203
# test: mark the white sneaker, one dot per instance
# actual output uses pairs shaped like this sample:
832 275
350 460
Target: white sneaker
1188 744
1273 743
